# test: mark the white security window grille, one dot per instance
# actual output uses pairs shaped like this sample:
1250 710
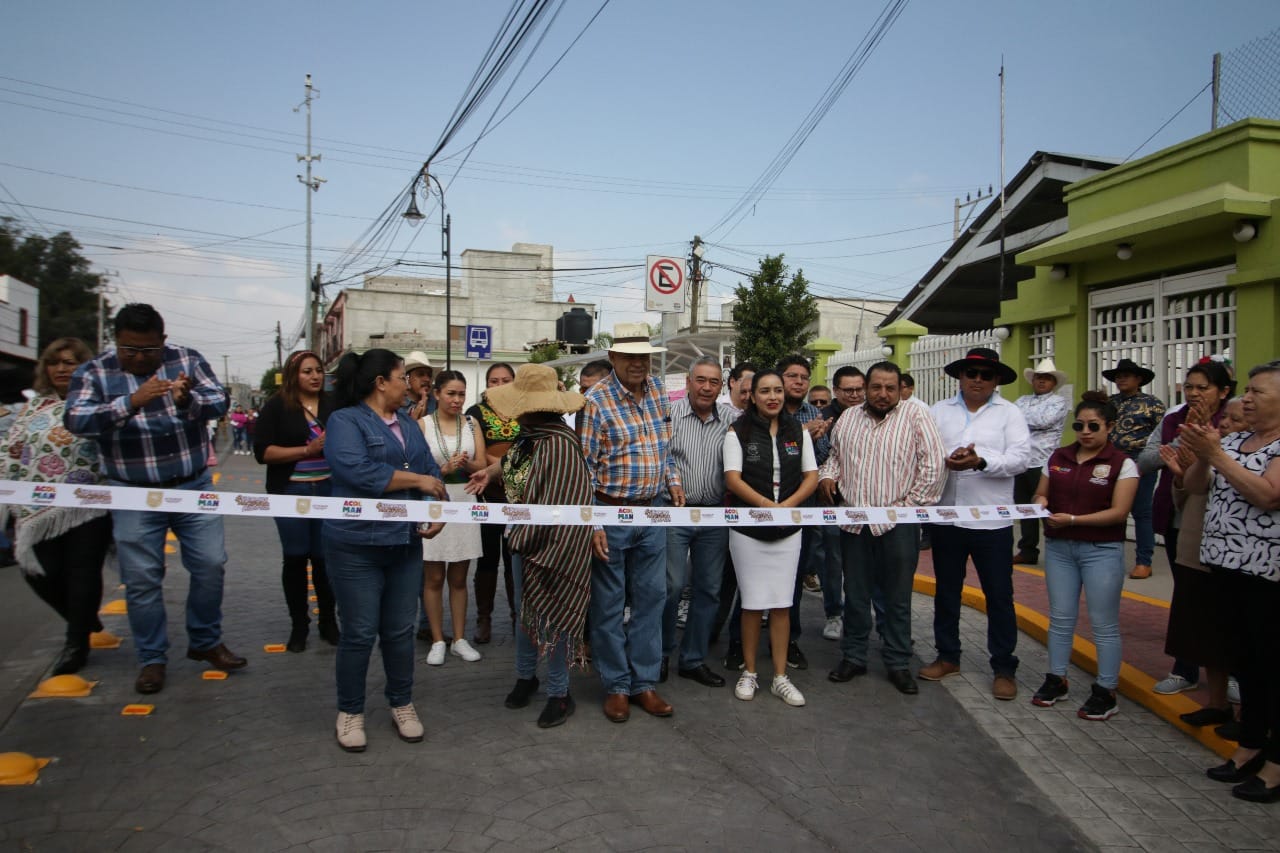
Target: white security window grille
1041 342
931 353
859 358
1167 325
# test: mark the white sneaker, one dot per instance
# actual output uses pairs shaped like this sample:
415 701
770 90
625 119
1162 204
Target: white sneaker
786 691
350 732
1233 691
435 657
834 629
1173 684
748 683
463 649
407 724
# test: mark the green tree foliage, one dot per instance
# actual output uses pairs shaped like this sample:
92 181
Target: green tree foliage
774 316
550 351
55 267
270 381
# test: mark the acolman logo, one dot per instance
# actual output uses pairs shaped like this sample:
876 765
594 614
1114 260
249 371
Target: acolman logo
92 497
626 514
253 503
517 513
392 510
658 516
922 514
1003 512
44 493
730 515
829 516
479 512
208 500
351 509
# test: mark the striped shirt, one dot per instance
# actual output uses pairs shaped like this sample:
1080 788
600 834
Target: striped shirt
159 442
627 440
698 449
897 461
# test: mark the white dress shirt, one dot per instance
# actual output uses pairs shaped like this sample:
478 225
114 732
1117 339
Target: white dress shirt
999 435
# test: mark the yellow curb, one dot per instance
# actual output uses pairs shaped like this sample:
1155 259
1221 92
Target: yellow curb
1124 593
1134 683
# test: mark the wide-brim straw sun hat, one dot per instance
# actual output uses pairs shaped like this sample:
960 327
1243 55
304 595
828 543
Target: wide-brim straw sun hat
536 388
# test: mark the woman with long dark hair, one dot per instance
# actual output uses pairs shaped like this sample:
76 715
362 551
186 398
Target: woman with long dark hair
60 549
374 450
499 433
289 440
458 449
769 463
1088 488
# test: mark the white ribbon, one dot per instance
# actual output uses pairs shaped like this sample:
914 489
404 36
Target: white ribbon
218 502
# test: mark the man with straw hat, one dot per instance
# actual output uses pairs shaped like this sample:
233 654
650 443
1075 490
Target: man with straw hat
1046 413
626 436
550 564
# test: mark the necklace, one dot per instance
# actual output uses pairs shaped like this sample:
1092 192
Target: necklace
444 444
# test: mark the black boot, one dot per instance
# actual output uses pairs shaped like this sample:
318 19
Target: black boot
293 578
486 586
73 658
328 622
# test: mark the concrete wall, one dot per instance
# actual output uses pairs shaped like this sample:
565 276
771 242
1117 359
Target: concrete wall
19 299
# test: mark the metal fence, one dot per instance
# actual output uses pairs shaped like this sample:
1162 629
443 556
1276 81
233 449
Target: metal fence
1249 81
931 353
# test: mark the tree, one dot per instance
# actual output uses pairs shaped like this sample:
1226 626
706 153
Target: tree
773 316
602 340
550 351
270 381
55 267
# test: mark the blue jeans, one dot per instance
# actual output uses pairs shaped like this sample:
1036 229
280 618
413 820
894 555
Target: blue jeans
830 567
990 549
527 651
886 564
140 548
1143 533
377 588
303 536
239 438
629 657
1098 567
695 556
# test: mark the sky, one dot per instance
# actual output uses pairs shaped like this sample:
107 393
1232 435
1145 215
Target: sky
164 136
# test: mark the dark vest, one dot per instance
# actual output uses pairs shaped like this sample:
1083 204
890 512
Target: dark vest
1084 488
758 449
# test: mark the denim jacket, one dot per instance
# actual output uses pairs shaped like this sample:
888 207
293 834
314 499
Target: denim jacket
363 454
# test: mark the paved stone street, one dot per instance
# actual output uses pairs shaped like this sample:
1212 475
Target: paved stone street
249 763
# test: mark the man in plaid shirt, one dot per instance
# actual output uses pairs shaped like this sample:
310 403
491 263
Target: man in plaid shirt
146 404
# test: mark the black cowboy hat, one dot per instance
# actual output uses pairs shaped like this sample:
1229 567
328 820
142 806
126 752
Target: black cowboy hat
1128 366
983 357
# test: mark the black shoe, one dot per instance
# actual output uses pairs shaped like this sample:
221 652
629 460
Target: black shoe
72 659
1206 717
297 639
329 632
795 657
557 710
1256 791
1229 731
733 657
704 675
846 670
1101 704
1054 688
663 671
520 694
901 679
1233 773
424 634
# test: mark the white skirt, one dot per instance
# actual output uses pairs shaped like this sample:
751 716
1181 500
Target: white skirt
766 570
457 542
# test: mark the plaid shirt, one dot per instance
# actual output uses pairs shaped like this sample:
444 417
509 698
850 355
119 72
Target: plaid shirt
627 440
808 412
159 442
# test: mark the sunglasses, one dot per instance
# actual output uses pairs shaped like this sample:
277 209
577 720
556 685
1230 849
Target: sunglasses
1093 426
975 373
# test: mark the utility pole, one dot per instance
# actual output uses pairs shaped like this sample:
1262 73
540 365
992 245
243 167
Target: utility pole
695 281
226 371
279 348
317 294
102 325
312 185
1002 199
970 199
1217 89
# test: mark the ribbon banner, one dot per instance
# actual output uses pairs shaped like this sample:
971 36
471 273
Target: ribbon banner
378 509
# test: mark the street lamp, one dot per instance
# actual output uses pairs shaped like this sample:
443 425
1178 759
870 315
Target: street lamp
414 217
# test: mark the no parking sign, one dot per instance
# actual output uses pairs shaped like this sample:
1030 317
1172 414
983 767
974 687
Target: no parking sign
664 284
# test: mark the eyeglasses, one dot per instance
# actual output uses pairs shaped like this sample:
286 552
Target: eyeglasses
851 391
1093 426
975 373
134 352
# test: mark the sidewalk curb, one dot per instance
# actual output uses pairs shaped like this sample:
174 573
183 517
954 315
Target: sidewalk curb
1134 684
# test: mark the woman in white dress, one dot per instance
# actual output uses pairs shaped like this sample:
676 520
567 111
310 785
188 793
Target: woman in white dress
458 448
768 463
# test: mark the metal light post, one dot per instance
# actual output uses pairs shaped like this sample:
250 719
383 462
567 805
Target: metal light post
414 217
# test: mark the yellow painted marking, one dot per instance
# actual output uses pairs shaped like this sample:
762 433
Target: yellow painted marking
217 475
170 537
213 675
137 710
169 549
311 598
273 648
115 607
315 611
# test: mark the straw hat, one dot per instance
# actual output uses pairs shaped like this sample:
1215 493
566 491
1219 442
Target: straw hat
982 357
535 389
632 339
416 359
1047 367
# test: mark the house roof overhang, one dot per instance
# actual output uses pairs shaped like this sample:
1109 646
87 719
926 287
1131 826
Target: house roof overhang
1171 220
